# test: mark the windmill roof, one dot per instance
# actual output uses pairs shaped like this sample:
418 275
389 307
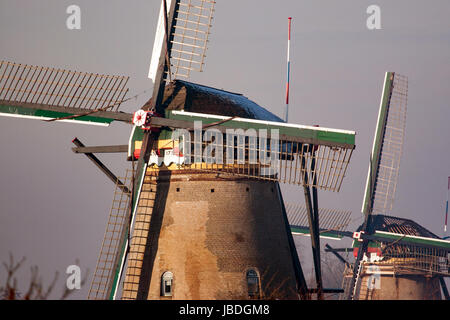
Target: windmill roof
399 225
192 97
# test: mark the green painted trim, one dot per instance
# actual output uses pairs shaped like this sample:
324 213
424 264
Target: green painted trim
39 113
137 134
443 244
305 133
377 143
345 139
305 231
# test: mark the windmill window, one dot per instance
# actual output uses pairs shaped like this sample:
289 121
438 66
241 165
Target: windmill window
253 283
167 284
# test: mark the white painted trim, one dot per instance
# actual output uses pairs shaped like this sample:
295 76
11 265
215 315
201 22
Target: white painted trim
130 141
374 139
264 122
158 43
13 115
308 235
414 237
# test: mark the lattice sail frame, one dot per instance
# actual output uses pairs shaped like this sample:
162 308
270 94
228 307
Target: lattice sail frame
22 83
116 230
388 146
190 39
410 259
329 219
265 150
331 165
392 148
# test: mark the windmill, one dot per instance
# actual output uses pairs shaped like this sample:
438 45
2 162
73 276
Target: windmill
201 214
395 258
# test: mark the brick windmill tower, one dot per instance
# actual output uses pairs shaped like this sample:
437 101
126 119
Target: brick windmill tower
201 214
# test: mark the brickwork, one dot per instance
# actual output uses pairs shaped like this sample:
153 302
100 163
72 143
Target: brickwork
400 287
209 230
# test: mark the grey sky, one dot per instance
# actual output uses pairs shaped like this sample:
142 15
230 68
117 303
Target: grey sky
54 204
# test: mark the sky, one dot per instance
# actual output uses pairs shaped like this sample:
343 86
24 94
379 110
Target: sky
54 204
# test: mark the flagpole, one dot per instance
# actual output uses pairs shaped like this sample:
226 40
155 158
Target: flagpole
288 69
446 207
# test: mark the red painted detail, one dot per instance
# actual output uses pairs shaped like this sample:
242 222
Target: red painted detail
287 93
137 153
377 250
289 35
139 116
357 236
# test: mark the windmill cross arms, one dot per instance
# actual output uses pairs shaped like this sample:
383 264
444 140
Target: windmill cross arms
264 150
380 236
425 242
286 131
49 112
387 146
45 93
332 222
323 233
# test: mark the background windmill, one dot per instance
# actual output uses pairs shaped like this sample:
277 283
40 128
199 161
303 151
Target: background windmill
334 68
400 257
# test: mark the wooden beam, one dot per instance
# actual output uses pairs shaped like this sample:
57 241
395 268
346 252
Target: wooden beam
102 167
301 281
119 116
444 288
102 149
313 220
335 252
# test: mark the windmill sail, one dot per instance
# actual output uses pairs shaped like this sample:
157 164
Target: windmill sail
384 161
183 28
116 230
387 147
330 221
189 38
44 93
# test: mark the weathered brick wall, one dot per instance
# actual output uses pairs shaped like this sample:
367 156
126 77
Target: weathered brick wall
400 287
209 231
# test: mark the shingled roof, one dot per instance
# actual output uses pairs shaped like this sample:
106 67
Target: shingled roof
398 225
187 96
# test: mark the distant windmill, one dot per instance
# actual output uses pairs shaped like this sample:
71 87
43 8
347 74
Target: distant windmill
395 258
184 224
